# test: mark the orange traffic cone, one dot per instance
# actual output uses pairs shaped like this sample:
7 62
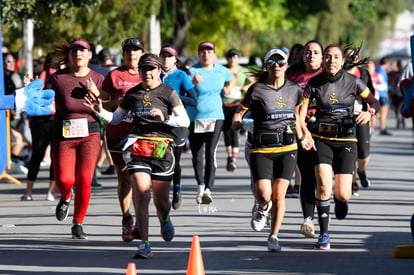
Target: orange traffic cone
195 261
131 270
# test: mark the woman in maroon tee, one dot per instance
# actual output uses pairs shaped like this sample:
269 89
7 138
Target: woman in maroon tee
76 142
114 88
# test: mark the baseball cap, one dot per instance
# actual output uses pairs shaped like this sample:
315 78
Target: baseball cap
272 52
104 54
132 42
168 49
150 61
232 52
79 42
206 44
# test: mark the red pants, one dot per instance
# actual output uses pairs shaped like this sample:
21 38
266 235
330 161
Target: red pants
75 161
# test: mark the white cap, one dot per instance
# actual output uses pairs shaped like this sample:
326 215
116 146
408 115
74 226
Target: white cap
273 52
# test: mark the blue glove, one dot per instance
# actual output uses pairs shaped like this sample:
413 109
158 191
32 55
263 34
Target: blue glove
34 101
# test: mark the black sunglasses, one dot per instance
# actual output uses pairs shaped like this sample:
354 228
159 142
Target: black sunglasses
279 62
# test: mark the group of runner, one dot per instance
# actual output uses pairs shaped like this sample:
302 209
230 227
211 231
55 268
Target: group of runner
303 114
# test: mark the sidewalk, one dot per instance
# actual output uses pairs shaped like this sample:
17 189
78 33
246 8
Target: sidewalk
32 241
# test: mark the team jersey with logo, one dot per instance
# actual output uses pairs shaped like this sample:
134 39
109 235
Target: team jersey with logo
271 108
140 102
335 96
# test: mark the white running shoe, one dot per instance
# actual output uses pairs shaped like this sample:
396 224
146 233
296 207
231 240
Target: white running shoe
207 198
200 193
273 244
308 228
258 220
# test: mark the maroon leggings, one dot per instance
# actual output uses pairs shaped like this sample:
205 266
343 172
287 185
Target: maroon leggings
75 161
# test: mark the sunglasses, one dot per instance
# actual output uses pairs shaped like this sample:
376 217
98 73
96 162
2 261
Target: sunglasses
279 62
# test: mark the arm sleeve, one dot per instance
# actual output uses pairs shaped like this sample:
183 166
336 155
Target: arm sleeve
179 118
113 118
190 99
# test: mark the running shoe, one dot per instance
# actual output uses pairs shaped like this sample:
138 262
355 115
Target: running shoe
255 207
355 189
308 228
109 171
385 133
258 220
127 228
207 198
62 209
96 185
167 229
26 197
341 209
135 234
200 193
52 196
77 232
144 250
231 164
323 242
273 244
293 192
364 179
177 200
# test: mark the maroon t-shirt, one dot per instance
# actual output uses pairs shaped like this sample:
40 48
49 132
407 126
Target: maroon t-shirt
70 91
301 78
116 84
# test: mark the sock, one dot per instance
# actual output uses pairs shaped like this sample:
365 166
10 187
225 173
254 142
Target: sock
164 220
234 156
323 208
229 153
177 187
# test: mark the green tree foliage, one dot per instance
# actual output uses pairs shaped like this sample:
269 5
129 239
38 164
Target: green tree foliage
227 23
107 22
13 12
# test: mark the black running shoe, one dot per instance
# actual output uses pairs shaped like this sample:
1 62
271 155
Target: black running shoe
364 179
177 200
62 210
231 165
135 234
341 209
77 232
109 171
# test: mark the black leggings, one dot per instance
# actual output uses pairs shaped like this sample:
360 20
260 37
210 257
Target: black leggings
363 144
308 185
197 140
41 129
177 169
231 137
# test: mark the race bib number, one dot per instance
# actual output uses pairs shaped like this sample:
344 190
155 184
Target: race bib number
204 125
74 128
